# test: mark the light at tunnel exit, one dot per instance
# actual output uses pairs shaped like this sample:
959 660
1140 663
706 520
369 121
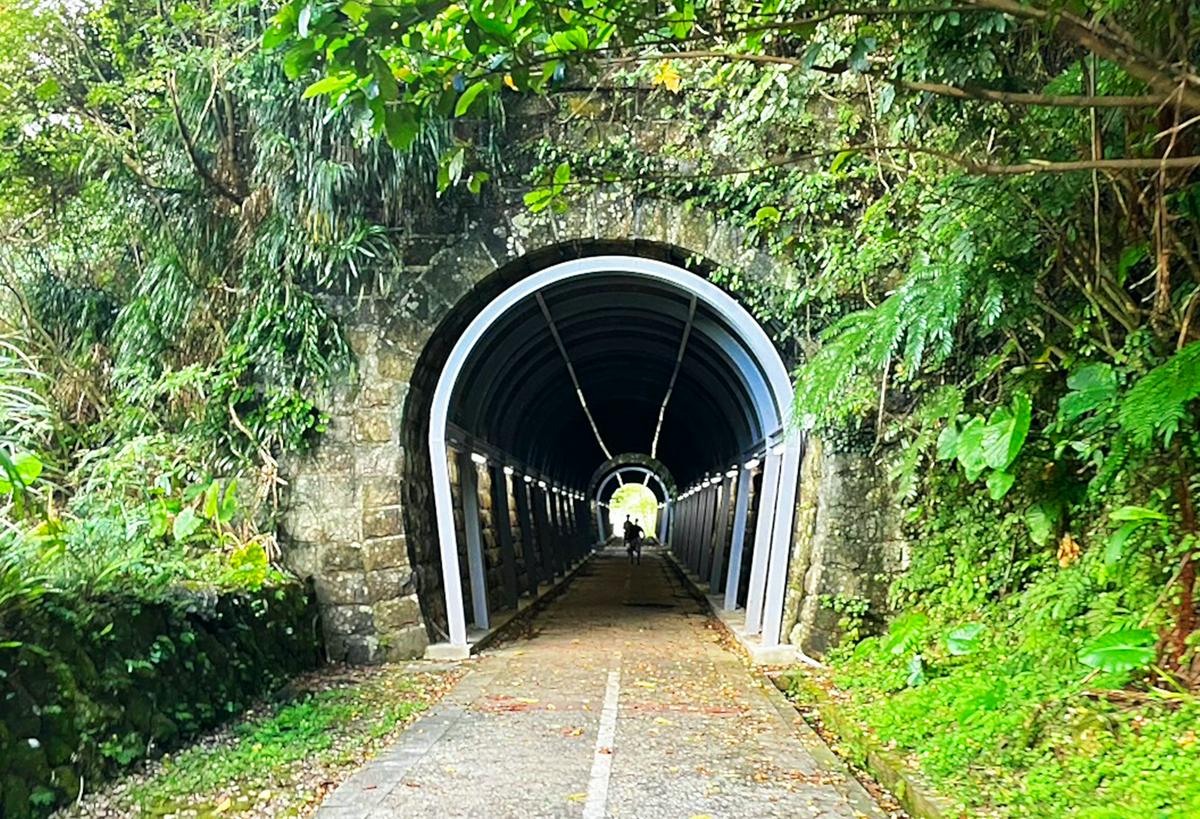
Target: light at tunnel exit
638 502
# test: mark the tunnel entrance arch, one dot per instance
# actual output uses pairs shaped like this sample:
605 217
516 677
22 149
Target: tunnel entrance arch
644 468
750 392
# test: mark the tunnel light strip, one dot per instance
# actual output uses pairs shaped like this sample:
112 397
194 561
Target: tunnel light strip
571 371
683 340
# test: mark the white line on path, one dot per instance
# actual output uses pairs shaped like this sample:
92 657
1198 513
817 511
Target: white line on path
597 792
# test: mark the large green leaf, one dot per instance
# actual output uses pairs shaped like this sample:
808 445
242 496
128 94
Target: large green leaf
229 503
468 98
28 466
400 125
18 471
1091 386
1119 651
904 632
1137 513
947 442
1041 519
964 639
212 500
970 449
916 671
1114 547
334 83
186 524
1005 432
998 484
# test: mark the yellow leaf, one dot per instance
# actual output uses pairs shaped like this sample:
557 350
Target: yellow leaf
667 75
508 80
577 797
662 721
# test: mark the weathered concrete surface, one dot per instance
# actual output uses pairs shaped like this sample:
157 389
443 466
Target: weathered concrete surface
695 732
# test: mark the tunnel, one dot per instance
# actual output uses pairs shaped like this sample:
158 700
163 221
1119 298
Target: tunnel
556 383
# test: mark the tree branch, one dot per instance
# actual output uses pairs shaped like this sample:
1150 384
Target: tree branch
941 89
190 147
1150 70
1016 98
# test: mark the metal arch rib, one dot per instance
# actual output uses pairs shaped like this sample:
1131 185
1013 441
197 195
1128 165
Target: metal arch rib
683 340
571 371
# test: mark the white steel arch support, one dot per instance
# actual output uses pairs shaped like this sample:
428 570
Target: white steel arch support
772 414
763 527
738 541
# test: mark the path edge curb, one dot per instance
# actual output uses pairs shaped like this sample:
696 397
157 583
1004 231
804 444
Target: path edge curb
854 790
909 787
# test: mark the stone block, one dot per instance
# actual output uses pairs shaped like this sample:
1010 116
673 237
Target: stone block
339 430
302 523
302 558
362 650
379 459
373 427
331 459
349 620
380 490
320 492
342 557
393 362
385 553
361 340
336 589
394 615
382 522
342 525
406 644
386 584
380 394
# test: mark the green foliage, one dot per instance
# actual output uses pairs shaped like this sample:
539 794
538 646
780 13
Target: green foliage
99 684
993 444
1119 651
1157 405
274 749
638 502
964 639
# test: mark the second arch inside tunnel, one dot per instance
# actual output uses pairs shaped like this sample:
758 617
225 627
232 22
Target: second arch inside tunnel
613 362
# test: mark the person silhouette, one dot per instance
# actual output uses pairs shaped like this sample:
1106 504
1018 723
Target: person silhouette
633 541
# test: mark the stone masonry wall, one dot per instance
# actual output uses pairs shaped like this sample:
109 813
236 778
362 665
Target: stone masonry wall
848 545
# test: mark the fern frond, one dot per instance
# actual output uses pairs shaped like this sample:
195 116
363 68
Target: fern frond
1157 405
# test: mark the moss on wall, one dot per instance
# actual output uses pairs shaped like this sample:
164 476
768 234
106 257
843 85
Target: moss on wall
90 687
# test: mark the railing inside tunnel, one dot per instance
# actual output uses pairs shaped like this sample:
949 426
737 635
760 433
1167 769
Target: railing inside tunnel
711 531
520 529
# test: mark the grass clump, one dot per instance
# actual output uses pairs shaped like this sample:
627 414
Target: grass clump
282 758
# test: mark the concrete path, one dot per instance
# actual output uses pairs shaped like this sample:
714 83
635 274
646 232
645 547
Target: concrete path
620 701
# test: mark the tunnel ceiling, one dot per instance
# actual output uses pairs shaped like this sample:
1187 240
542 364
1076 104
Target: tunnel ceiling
622 334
